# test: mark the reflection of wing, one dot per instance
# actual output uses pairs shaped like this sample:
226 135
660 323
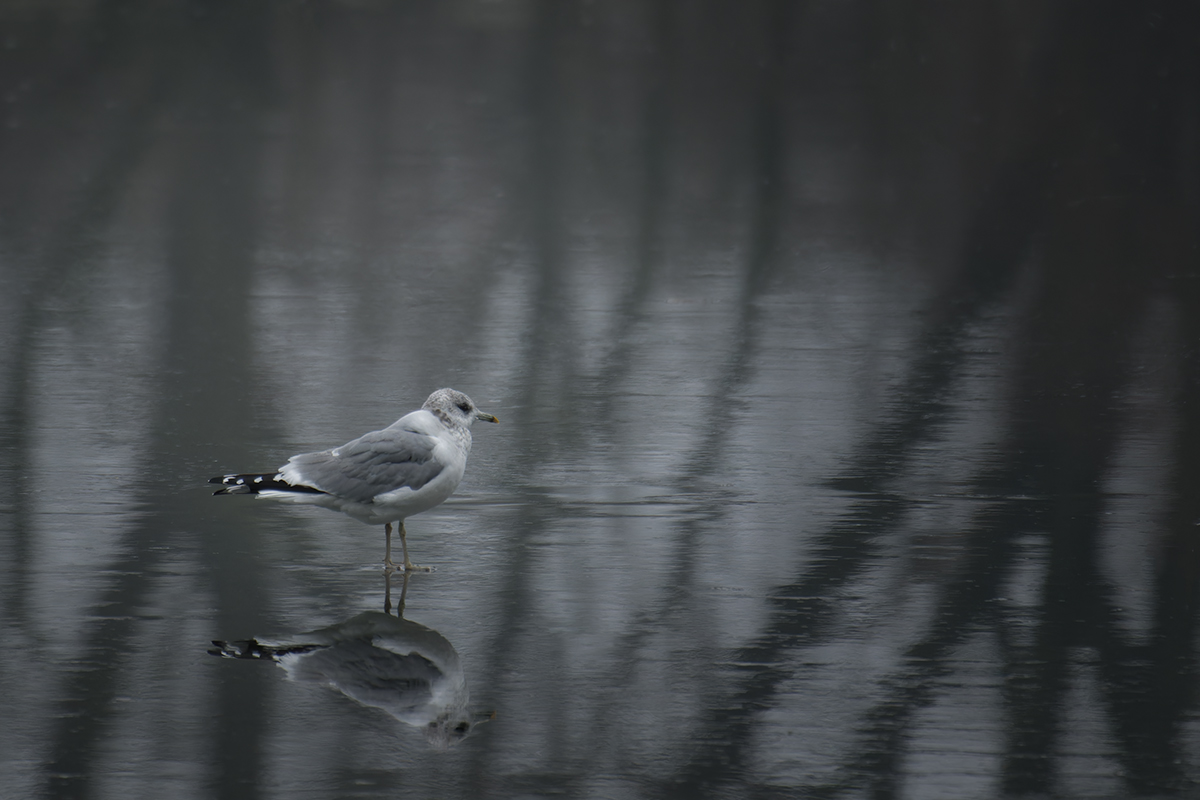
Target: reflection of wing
372 464
400 684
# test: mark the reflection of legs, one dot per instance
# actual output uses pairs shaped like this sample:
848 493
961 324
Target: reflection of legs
387 592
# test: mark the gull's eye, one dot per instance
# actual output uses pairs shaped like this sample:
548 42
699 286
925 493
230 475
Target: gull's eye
466 409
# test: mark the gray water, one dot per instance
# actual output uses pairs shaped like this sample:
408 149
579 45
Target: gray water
845 356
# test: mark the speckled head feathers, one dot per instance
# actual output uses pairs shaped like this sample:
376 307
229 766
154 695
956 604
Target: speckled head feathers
456 406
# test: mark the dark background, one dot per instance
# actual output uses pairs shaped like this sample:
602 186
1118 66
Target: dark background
845 355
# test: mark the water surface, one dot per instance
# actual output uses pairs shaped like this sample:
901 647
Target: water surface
845 357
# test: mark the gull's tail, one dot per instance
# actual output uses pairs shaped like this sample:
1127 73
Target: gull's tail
256 482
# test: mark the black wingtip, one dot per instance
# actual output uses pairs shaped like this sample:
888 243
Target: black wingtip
255 482
243 648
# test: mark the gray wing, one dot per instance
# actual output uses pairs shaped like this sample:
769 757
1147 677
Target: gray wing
378 462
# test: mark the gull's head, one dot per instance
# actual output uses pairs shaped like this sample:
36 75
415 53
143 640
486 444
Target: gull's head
456 406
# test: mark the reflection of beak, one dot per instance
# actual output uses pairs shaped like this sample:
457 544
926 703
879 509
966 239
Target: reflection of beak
484 716
485 417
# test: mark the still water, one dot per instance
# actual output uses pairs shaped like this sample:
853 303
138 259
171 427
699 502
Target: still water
845 356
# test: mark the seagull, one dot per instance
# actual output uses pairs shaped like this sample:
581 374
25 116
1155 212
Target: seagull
383 476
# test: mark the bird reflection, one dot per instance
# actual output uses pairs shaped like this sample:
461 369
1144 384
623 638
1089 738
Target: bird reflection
382 661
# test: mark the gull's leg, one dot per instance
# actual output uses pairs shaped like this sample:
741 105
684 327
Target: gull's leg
408 565
387 553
